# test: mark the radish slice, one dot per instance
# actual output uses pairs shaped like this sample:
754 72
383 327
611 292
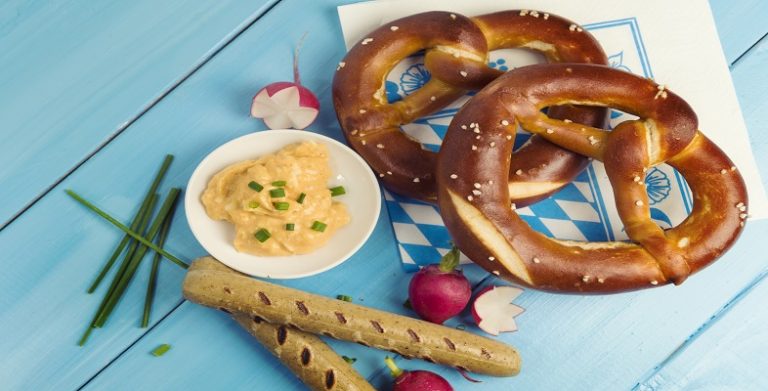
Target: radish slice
493 310
286 104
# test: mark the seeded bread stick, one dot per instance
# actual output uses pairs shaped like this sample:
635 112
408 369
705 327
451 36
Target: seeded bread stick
308 357
212 284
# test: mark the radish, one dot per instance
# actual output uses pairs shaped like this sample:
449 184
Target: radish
286 104
416 380
493 310
438 292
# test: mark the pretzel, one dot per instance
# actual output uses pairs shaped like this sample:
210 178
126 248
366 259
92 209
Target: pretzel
477 210
456 55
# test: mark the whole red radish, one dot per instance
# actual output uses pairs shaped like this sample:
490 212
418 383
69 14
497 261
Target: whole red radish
439 292
286 104
416 380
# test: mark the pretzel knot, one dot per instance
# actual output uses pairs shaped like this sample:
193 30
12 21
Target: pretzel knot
477 210
456 56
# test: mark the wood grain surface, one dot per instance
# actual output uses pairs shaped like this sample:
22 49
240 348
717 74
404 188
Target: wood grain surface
133 81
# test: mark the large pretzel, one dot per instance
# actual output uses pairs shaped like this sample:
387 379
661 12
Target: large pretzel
477 210
456 55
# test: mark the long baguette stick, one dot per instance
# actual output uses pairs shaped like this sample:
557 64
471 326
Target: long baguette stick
308 357
212 284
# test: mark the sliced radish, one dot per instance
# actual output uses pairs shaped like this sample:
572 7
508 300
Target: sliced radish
493 310
286 104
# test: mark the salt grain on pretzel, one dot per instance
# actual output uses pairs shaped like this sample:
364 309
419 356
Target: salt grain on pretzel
665 132
456 56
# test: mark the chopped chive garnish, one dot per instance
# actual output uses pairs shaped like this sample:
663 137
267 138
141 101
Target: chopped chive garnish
318 226
349 360
278 183
301 198
290 227
344 298
277 193
262 235
161 350
253 204
337 191
281 205
255 186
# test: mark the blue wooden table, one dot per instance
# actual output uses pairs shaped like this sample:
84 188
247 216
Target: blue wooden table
94 94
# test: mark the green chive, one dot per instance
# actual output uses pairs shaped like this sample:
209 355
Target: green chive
253 204
278 183
349 360
290 226
168 206
161 350
262 235
134 224
255 186
277 193
337 191
120 271
125 229
281 205
152 284
344 298
301 198
318 226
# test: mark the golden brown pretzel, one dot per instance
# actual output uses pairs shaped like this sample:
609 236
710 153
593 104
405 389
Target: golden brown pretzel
456 55
477 210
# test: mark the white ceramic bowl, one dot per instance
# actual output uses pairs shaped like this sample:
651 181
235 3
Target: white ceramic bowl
363 200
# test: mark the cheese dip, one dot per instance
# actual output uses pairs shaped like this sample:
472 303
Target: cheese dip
280 204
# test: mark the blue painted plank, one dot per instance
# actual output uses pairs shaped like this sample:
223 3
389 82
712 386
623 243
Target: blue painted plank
740 24
76 72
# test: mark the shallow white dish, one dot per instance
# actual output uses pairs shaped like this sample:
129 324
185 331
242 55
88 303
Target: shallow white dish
363 200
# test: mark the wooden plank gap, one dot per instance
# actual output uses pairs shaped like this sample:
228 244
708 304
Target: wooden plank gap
746 52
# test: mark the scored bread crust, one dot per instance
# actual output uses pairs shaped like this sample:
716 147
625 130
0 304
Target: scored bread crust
214 285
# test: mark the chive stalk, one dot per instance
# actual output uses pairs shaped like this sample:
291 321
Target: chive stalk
125 229
152 284
279 183
281 205
134 224
123 266
290 227
344 298
301 198
168 205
